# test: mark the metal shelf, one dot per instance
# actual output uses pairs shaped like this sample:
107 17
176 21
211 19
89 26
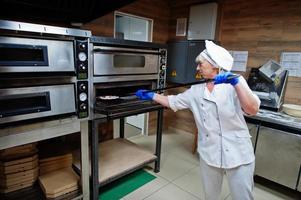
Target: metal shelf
24 134
99 173
117 158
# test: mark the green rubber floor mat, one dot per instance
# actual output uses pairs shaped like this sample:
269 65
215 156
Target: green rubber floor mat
125 185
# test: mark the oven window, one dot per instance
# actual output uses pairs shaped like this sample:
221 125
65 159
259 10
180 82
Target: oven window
20 104
23 55
129 61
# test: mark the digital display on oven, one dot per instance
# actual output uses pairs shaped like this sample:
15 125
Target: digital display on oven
23 55
129 61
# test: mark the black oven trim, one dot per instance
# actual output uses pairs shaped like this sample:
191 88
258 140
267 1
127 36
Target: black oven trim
43 63
46 107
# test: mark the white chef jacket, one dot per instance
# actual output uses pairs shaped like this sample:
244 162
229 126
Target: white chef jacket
224 139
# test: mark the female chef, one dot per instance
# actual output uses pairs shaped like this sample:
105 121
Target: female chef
224 143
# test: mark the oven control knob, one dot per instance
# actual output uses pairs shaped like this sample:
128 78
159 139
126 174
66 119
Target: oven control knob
83 106
163 53
82 46
163 67
161 83
82 87
82 67
82 96
82 56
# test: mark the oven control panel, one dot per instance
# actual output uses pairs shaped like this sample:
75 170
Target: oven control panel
81 59
81 65
162 68
82 99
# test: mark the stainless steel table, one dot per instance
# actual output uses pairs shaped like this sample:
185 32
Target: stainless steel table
277 147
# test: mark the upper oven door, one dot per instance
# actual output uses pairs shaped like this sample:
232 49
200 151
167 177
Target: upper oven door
122 61
35 55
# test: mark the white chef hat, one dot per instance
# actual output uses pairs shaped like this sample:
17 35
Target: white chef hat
216 55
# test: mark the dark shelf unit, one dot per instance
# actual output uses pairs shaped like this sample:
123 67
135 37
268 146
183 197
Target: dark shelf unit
94 147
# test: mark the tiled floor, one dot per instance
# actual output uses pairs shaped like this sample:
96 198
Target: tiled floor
179 177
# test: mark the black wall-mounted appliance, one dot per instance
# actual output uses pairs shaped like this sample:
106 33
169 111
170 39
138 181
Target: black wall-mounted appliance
181 66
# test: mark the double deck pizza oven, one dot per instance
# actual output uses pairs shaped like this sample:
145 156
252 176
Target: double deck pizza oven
43 72
48 71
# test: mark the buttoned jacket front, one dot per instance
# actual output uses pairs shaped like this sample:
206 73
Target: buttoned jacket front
224 139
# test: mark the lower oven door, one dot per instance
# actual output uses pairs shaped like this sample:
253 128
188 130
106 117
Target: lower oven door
24 103
115 100
117 61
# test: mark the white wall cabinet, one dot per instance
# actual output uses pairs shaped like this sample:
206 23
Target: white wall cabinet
202 22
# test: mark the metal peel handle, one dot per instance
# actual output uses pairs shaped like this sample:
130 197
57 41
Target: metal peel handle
192 83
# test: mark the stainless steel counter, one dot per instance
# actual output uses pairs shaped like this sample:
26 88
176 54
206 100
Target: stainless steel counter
277 120
277 143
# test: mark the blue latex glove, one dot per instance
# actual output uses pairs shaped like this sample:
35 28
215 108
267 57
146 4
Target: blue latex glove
223 78
144 95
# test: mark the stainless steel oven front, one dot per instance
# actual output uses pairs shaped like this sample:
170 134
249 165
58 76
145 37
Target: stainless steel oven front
35 55
116 60
119 68
121 60
25 103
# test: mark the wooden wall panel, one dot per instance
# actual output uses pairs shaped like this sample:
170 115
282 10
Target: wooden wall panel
265 28
157 10
103 26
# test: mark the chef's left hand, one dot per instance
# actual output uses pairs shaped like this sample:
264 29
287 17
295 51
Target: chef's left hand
226 78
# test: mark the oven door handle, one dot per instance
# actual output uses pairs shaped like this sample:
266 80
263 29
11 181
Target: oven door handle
35 103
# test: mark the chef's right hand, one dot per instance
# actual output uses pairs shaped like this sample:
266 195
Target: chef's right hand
226 77
145 95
